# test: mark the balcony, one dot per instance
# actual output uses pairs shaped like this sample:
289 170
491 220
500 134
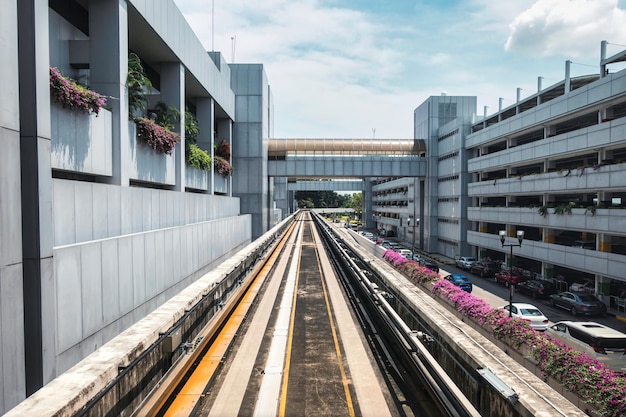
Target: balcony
603 177
591 261
148 165
603 221
81 142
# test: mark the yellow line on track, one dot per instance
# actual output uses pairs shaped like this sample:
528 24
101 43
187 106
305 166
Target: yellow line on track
188 397
283 390
344 378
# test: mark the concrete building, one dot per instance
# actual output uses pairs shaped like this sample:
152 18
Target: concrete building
428 211
97 229
552 165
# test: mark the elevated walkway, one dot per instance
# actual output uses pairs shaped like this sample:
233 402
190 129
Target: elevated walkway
346 158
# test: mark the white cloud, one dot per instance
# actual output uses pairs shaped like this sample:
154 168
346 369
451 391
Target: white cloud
341 71
572 28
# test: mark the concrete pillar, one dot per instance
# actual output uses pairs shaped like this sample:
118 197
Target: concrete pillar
12 385
36 192
108 34
568 81
605 244
549 131
603 71
368 212
173 95
547 270
606 115
205 113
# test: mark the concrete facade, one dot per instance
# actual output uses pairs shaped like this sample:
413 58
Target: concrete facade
96 228
253 111
426 210
550 164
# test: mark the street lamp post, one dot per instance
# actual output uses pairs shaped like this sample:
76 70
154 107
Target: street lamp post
412 222
520 237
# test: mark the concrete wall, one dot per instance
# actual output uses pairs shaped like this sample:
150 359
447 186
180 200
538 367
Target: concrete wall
103 286
445 179
250 142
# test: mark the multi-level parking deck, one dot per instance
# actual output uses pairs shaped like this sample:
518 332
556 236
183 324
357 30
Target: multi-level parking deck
307 321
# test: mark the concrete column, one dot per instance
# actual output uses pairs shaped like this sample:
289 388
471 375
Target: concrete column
173 95
606 115
568 81
36 192
108 34
605 244
603 71
547 270
549 131
205 113
12 362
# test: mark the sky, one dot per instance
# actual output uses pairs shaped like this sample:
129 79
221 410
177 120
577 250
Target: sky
359 68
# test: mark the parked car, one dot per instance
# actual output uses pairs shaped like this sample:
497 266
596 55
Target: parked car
406 253
430 264
460 281
484 268
368 235
536 288
416 257
465 262
530 313
583 286
505 277
597 341
578 303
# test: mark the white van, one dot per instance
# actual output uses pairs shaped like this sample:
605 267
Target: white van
406 253
596 340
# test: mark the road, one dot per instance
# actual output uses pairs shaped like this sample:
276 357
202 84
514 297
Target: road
497 295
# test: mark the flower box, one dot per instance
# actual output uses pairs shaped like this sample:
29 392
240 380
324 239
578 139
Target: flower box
81 141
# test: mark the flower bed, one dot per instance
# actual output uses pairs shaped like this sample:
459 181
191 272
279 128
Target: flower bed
74 96
601 388
158 137
222 166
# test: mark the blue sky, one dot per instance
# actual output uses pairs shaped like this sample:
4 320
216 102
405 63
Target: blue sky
341 68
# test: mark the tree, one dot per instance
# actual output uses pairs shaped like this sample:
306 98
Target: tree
356 203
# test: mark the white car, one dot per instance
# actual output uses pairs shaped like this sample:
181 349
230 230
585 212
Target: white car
594 339
583 286
530 313
406 253
465 262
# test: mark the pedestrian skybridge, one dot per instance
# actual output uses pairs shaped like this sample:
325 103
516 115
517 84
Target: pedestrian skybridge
346 158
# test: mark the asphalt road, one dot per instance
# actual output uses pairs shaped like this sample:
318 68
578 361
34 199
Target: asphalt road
498 295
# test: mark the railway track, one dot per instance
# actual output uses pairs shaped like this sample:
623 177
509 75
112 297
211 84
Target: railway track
282 345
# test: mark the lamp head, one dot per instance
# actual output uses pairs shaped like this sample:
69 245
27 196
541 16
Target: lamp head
520 236
502 234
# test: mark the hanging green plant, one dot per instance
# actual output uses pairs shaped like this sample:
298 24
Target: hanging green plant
197 157
543 211
137 85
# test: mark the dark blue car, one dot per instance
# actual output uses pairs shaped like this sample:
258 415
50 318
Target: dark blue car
460 281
